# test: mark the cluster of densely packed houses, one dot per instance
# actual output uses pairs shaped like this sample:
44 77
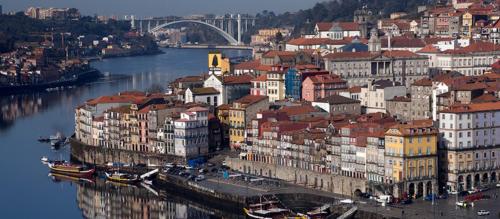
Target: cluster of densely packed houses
386 113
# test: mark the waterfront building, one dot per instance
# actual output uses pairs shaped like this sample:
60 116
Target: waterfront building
222 113
52 13
241 113
469 145
411 158
191 133
336 104
320 86
259 86
374 96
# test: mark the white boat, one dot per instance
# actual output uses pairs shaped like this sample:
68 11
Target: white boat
44 159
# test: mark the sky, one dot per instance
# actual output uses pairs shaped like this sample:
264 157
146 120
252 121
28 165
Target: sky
144 8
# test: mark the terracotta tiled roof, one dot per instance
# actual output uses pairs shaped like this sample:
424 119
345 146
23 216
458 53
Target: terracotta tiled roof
478 46
189 79
252 64
197 109
401 54
346 26
204 91
250 99
486 97
355 89
262 77
298 110
120 109
423 82
473 107
429 49
317 41
240 79
224 107
415 127
273 53
337 99
326 79
117 99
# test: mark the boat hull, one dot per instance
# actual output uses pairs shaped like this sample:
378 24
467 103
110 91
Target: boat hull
122 180
75 173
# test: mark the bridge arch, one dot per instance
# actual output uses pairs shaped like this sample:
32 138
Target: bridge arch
221 32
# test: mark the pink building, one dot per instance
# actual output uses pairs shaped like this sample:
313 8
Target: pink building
321 86
259 86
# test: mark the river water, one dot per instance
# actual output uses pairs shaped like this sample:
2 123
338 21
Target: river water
26 190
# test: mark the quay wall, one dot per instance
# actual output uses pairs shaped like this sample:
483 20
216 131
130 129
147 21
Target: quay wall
100 155
191 190
325 182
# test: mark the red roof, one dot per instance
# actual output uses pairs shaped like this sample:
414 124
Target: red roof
273 53
239 79
423 82
250 99
252 64
401 54
473 107
262 77
428 49
326 79
346 26
317 41
479 46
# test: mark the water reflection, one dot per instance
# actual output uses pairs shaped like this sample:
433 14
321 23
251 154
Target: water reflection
104 200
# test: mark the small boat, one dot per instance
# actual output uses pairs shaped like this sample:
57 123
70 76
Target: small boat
44 159
123 177
69 169
43 139
269 209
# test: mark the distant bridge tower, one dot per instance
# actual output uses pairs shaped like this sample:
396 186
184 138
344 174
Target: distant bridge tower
239 29
132 22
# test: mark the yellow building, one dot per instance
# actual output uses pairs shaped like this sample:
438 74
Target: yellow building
223 115
411 158
467 24
218 64
241 113
275 84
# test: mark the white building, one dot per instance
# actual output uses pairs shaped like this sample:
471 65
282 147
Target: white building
208 95
374 96
469 140
474 59
191 133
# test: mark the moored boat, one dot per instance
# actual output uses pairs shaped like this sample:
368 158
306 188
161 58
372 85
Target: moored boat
122 177
269 209
69 169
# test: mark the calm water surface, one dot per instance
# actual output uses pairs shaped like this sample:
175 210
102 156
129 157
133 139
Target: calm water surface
26 190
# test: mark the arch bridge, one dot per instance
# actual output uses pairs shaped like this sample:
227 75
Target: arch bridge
226 26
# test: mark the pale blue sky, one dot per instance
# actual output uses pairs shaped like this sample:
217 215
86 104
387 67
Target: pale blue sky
163 7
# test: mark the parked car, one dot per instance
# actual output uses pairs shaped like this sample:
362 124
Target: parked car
462 204
452 192
498 185
406 201
210 164
199 178
483 213
202 170
347 201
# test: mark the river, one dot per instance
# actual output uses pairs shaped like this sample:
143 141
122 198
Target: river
26 190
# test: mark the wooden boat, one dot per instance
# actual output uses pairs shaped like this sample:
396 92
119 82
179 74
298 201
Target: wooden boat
270 209
69 169
122 178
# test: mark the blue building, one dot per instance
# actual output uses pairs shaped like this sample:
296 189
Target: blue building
293 84
295 76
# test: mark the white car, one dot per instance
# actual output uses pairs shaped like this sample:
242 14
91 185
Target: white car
483 213
498 185
452 192
347 201
461 204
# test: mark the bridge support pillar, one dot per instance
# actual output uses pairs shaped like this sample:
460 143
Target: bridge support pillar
239 29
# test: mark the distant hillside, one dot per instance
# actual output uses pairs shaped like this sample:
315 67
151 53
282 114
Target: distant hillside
303 21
